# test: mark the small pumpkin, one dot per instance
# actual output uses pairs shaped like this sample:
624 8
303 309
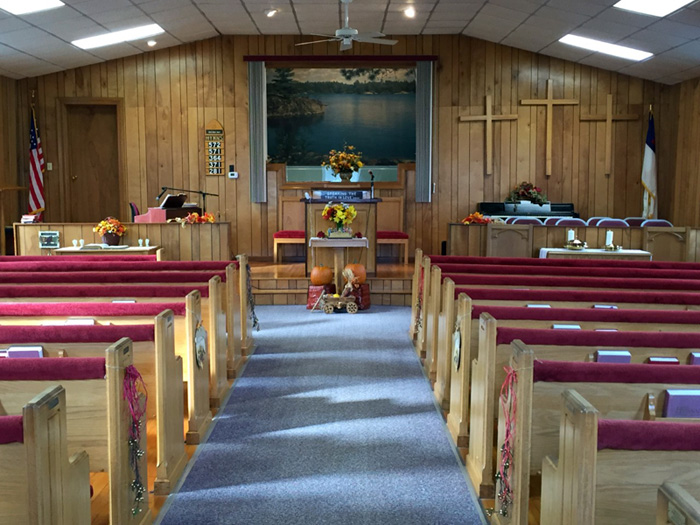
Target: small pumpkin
358 270
321 275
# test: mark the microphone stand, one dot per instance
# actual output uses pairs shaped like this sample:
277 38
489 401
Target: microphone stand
371 185
202 193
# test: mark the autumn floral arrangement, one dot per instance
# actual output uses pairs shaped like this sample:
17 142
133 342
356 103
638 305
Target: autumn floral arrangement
195 218
476 218
344 162
527 191
110 225
341 214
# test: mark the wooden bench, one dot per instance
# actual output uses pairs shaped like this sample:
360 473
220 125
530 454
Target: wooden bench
40 484
390 225
595 481
618 391
154 357
561 345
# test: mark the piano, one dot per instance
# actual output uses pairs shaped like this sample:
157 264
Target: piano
507 209
159 214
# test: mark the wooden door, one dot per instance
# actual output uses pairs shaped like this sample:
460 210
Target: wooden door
92 163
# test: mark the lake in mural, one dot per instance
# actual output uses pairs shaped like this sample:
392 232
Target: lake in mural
311 111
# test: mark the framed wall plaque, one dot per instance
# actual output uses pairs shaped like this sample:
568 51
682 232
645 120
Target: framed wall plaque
48 240
214 148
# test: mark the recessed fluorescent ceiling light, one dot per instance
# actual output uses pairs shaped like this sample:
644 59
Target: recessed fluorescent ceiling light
605 47
119 36
22 7
270 13
652 7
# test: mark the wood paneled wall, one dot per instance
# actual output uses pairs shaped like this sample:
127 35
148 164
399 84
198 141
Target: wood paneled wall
169 95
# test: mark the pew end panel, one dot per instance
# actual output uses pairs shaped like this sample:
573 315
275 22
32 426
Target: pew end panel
216 324
245 306
414 294
432 319
458 416
233 323
443 349
118 357
199 413
169 406
40 484
423 294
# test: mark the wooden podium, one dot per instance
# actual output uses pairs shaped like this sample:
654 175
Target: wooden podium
3 191
365 223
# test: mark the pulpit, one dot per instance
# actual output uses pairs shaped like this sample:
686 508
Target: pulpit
365 223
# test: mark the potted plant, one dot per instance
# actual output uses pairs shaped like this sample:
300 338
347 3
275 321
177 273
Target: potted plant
341 215
111 231
345 162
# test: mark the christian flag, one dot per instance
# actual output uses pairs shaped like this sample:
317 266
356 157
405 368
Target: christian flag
649 172
36 169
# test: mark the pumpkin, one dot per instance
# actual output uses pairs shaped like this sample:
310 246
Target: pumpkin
321 275
358 271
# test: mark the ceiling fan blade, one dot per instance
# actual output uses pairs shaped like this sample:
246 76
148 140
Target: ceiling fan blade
374 34
371 40
345 44
316 42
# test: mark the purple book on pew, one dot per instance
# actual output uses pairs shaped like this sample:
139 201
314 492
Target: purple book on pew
25 351
613 356
694 358
659 360
682 403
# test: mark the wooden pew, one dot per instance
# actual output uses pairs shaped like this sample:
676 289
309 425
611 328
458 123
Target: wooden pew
97 418
457 375
676 505
40 484
561 345
134 313
618 391
154 357
593 481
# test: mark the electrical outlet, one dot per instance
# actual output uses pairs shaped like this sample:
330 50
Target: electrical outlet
49 166
232 174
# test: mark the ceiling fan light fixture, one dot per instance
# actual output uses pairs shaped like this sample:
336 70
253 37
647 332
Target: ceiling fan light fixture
269 13
410 12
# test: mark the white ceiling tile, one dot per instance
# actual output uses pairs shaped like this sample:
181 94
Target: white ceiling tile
503 13
525 6
605 61
602 29
577 6
653 41
677 29
559 50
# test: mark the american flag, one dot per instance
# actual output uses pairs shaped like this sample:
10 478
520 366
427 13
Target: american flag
36 169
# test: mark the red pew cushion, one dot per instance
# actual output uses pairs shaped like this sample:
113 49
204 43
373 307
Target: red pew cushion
386 234
11 430
290 234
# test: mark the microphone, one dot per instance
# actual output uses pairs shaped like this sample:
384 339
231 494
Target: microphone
164 189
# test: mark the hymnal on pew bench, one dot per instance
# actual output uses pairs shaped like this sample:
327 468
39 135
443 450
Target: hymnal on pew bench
682 403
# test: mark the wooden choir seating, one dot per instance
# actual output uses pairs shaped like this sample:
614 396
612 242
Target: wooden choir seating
291 225
390 225
618 391
675 501
488 372
95 419
40 481
154 357
608 472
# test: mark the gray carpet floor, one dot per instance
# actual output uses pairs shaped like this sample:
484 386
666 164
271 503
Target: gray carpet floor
331 422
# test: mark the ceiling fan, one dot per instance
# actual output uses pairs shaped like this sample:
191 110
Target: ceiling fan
346 35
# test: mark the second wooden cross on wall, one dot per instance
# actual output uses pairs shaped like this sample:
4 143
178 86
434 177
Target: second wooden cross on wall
549 104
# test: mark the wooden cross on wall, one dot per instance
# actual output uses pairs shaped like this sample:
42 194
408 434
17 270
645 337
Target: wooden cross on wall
549 102
608 118
488 118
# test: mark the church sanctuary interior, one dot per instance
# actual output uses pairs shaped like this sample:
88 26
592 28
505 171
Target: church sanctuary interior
349 262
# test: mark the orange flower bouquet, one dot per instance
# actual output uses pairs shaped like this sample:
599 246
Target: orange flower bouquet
343 163
195 218
476 218
110 225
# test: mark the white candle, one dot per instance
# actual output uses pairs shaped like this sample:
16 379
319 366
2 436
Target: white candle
608 237
569 235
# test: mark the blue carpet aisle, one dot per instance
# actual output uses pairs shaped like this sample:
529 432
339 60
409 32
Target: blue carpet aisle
332 422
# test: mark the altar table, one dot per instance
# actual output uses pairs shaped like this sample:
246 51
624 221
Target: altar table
339 246
595 253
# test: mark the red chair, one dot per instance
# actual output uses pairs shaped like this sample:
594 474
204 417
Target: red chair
612 223
635 221
656 222
390 224
286 237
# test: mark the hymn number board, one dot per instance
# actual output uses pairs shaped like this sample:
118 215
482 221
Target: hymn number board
214 148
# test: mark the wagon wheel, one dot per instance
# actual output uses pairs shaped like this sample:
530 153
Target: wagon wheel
351 308
328 308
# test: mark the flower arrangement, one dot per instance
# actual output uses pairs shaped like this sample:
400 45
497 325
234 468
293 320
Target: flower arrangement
195 218
341 214
476 218
527 191
344 161
110 225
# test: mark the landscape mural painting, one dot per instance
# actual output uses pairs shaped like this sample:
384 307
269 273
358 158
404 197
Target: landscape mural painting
312 111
